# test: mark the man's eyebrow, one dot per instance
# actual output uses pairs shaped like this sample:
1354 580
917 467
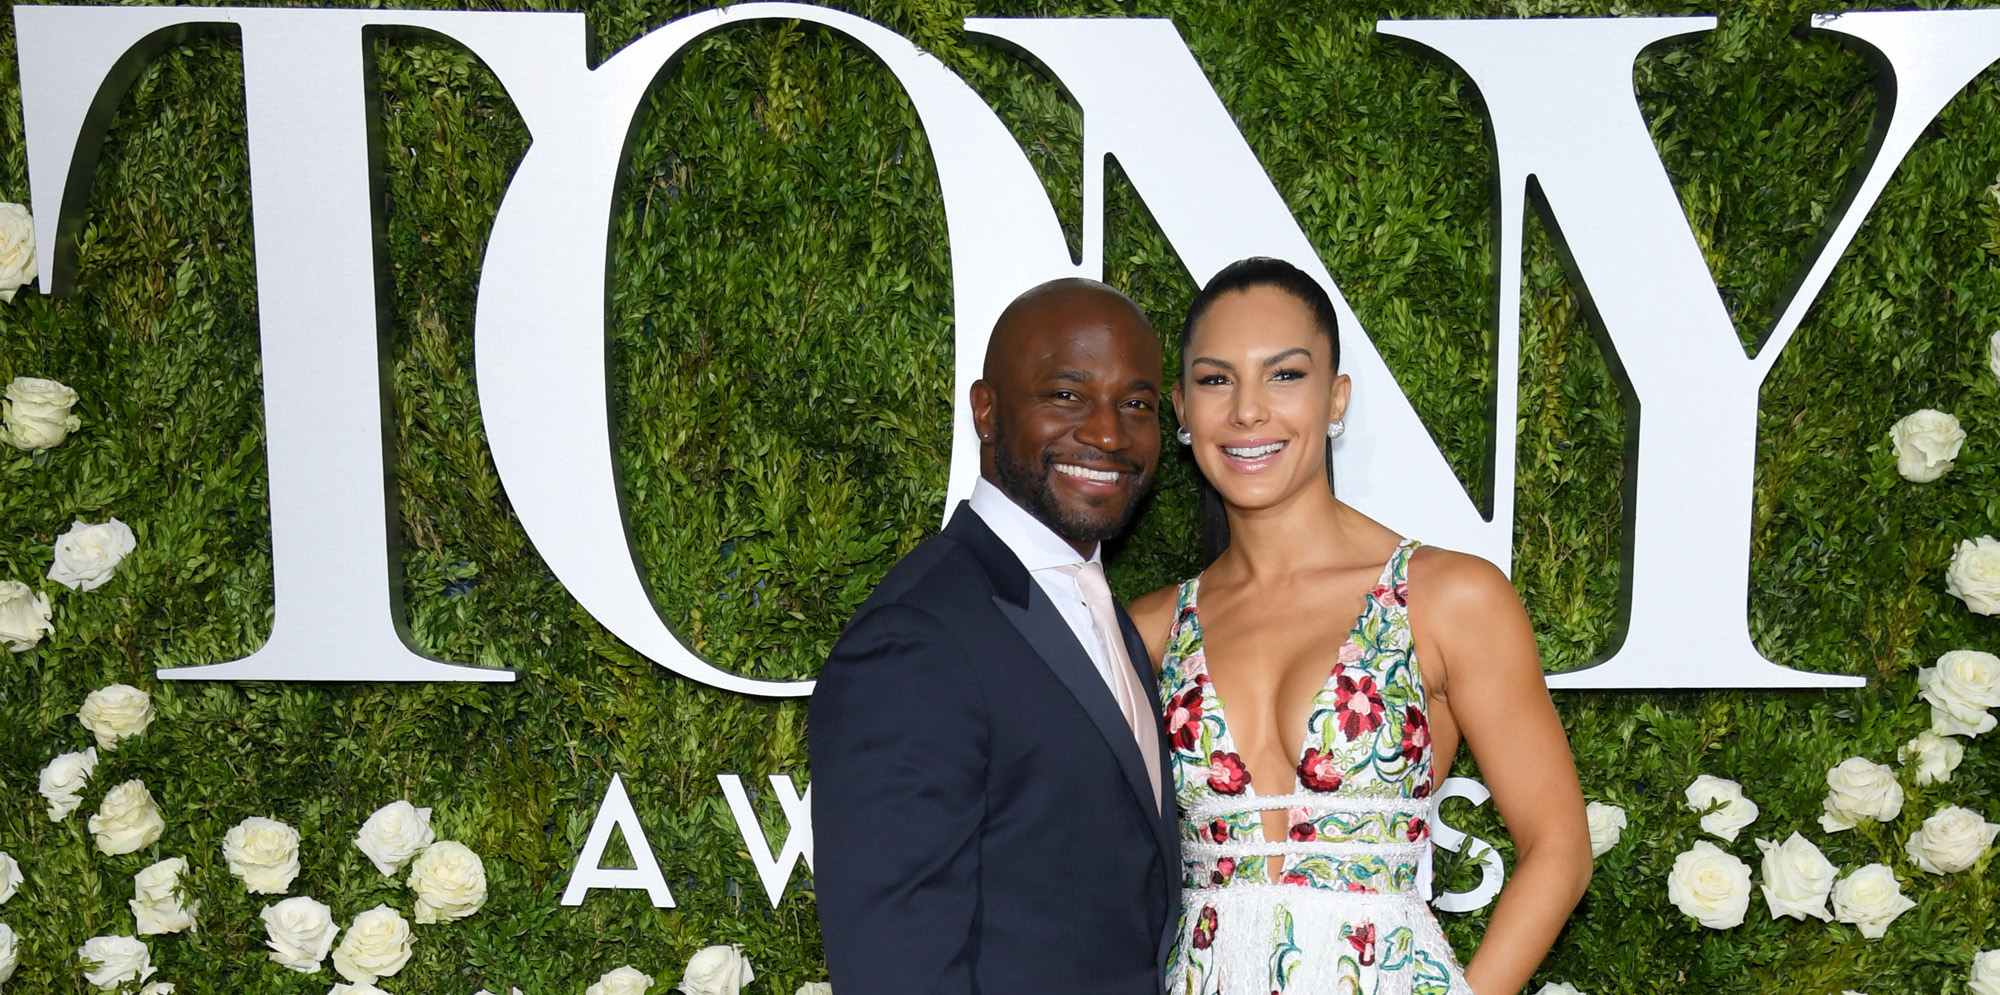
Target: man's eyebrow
1074 376
1143 385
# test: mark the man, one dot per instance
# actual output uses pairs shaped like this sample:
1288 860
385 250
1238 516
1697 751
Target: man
990 809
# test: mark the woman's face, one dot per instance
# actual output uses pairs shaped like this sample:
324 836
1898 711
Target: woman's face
1257 392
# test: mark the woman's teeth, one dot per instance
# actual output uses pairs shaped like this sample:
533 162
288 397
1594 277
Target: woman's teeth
1086 473
1252 452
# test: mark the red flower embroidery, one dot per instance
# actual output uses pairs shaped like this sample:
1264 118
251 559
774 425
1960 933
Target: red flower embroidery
1296 879
1422 790
1226 773
1224 868
1362 939
1218 831
1184 719
1318 771
1418 830
1416 733
1358 705
1204 928
1304 832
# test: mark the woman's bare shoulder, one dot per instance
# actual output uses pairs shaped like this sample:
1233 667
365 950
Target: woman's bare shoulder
1454 583
1153 614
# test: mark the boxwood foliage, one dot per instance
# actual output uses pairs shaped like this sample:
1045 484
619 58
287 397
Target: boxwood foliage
781 321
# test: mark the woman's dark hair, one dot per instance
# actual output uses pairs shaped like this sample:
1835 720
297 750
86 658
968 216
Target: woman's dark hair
1247 274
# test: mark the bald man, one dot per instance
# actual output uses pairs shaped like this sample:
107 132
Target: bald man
988 769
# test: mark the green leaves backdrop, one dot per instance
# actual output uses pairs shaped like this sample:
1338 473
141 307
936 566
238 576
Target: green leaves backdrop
782 322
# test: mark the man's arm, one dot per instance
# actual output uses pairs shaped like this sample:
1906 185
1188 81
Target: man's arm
898 738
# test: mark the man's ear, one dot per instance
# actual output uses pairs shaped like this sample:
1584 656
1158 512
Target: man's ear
982 411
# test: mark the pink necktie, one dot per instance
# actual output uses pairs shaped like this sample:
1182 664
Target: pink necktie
1125 686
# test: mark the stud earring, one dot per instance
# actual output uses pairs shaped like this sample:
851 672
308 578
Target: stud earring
1186 437
1336 428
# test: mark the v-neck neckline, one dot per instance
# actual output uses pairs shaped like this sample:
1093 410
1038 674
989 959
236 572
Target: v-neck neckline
1212 700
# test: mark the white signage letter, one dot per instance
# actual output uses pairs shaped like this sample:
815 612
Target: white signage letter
541 318
590 873
1492 870
1565 119
773 871
314 200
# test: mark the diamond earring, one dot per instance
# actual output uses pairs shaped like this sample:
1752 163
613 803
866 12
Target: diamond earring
1186 437
1336 428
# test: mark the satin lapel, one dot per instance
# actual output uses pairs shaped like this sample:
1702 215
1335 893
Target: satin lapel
1166 828
1043 627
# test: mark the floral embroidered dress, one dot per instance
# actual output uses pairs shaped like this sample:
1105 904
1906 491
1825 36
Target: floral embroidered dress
1346 916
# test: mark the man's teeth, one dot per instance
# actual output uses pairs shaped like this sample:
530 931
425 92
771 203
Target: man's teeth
1252 452
1086 473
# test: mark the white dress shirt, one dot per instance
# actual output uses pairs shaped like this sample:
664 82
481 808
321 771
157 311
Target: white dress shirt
1043 552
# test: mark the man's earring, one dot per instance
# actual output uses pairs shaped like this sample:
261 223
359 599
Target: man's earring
1336 428
1186 437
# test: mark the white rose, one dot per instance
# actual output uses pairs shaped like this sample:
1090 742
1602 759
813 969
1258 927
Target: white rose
717 970
1935 756
157 988
1985 978
1711 886
24 616
450 882
63 781
9 958
826 988
394 834
1607 823
300 931
1926 442
17 249
1951 840
116 713
10 876
264 853
116 959
356 989
1552 988
1797 878
1732 810
1858 789
1963 685
1870 899
156 899
1974 575
37 413
87 555
127 820
377 945
627 980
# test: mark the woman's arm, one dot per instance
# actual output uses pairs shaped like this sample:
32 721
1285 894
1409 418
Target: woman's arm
1482 647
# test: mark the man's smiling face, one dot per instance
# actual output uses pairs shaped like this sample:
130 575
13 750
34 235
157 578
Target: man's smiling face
1069 409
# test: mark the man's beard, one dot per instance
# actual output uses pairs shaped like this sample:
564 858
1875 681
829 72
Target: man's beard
1032 491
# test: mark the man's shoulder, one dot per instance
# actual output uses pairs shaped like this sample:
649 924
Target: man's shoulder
937 577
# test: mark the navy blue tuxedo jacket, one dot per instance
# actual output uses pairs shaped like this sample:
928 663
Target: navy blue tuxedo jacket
982 820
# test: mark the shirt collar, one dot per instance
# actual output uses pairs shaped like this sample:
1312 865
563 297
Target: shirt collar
1036 545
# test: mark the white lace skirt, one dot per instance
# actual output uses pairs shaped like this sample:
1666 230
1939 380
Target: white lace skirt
1259 939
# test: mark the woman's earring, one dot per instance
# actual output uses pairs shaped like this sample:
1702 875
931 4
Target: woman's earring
1335 428
1186 437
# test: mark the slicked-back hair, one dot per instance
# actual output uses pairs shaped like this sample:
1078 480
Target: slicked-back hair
1249 274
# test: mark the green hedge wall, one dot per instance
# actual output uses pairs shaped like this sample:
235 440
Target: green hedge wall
781 301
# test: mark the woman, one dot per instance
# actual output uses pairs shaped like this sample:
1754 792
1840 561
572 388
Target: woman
1305 813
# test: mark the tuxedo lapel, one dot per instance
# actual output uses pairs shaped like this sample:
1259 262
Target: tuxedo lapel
1028 608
